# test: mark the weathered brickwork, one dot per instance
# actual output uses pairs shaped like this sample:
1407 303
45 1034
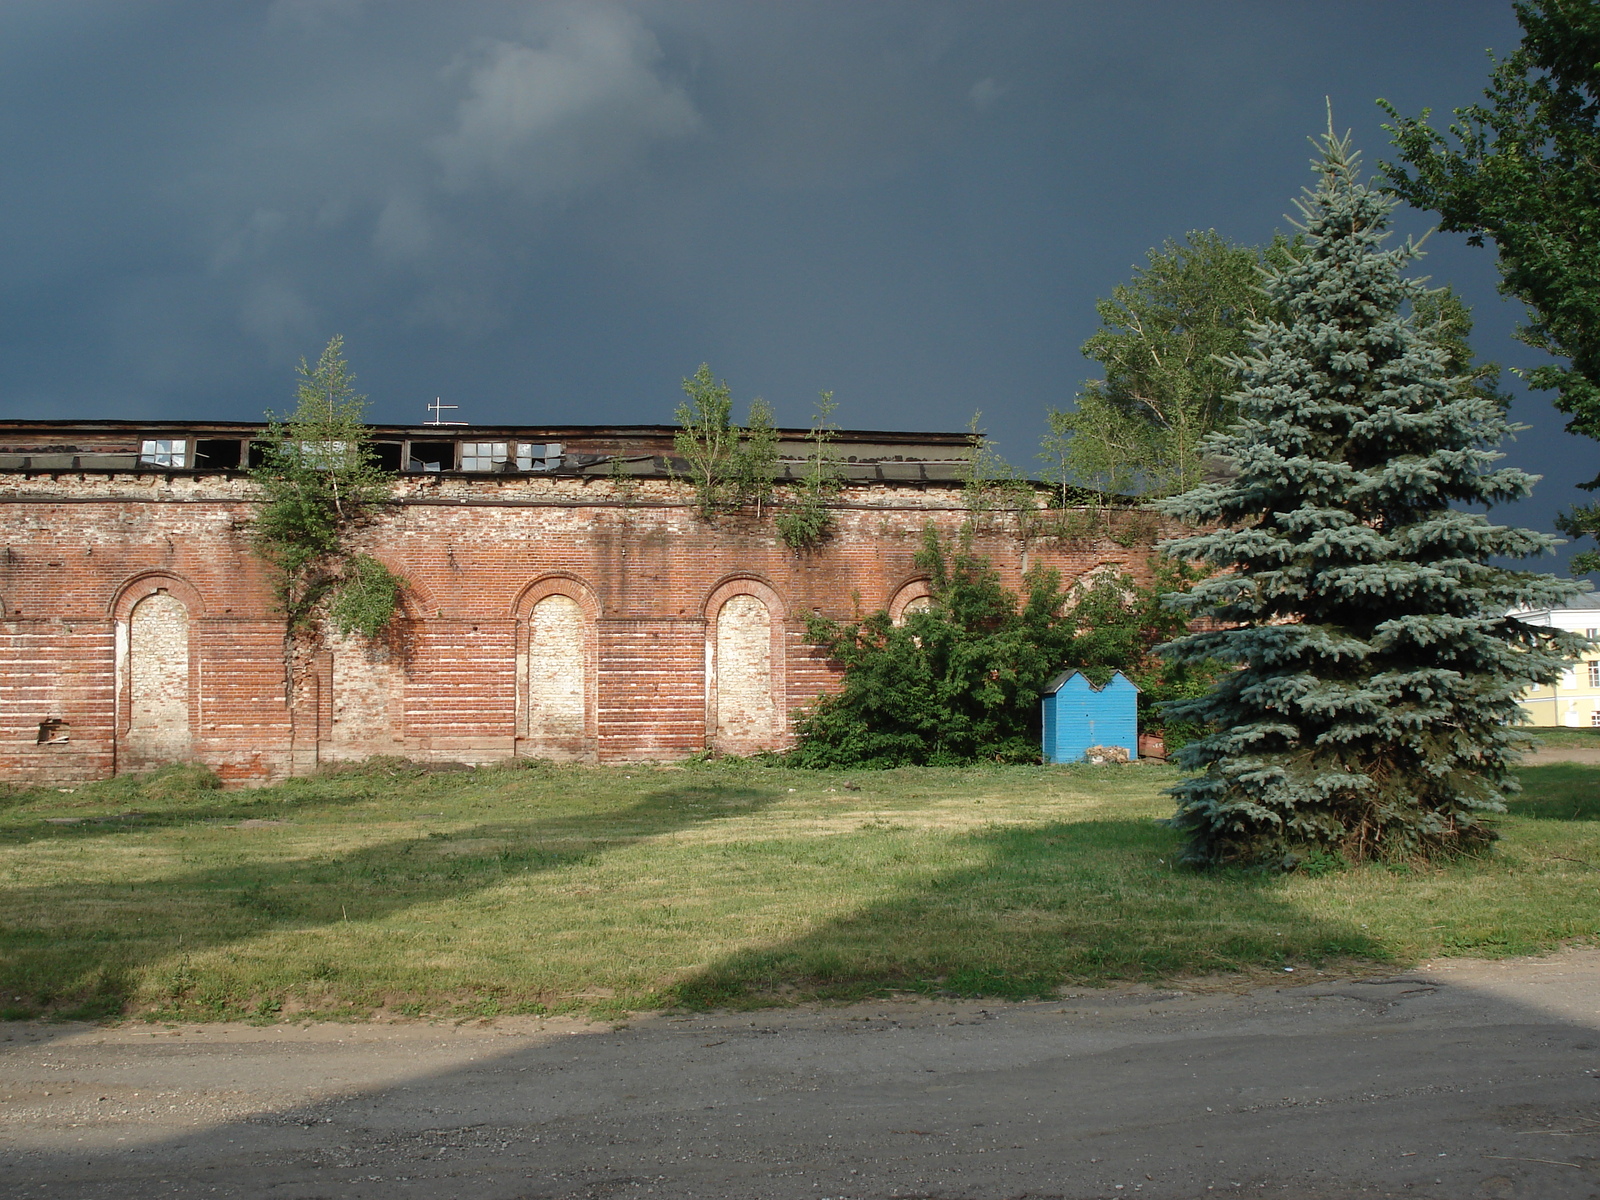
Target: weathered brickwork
543 616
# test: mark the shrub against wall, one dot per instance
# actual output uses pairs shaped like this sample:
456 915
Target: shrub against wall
960 680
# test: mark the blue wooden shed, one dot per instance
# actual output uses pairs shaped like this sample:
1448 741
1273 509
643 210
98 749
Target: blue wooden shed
1078 715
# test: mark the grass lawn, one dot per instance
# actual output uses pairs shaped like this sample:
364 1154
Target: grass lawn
611 889
1565 737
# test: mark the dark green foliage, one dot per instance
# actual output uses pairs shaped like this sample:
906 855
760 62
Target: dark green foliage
957 682
807 521
960 681
318 482
1448 315
1521 170
1378 673
1119 622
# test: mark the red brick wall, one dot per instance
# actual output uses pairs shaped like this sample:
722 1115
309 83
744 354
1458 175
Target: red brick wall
451 681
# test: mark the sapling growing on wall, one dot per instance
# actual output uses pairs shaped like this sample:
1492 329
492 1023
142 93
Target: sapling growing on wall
806 523
1372 711
318 482
729 467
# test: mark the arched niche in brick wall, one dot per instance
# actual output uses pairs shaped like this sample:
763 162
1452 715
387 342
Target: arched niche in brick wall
557 669
1104 572
913 595
157 669
746 710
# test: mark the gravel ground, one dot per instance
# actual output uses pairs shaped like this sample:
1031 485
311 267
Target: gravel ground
1461 1079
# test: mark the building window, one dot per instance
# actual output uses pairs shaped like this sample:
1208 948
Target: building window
1594 717
1594 674
484 456
164 452
508 456
538 457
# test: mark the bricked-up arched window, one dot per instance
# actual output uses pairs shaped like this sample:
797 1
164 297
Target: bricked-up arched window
158 681
556 670
157 671
912 596
745 705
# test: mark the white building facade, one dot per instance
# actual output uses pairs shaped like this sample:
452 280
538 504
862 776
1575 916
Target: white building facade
1574 700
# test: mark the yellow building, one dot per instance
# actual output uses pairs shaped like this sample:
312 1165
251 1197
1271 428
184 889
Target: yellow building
1574 700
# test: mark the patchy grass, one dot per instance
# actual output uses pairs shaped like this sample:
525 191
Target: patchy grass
388 889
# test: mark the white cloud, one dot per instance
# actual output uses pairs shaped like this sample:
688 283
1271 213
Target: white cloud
550 118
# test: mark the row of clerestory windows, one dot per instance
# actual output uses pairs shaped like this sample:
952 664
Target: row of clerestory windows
201 454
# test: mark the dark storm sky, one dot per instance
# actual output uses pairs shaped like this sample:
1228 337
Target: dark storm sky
553 212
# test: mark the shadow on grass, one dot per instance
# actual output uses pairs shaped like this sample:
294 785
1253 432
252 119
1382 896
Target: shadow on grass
92 966
1083 902
1558 792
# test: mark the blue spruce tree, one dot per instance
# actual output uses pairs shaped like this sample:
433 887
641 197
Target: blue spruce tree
1378 670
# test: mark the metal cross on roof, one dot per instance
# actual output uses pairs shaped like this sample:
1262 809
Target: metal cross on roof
438 406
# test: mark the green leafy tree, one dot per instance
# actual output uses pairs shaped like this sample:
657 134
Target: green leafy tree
1377 672
729 467
807 522
706 439
1522 170
1445 313
752 475
1162 344
318 481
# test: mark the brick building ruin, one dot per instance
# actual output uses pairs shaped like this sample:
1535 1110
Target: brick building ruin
552 607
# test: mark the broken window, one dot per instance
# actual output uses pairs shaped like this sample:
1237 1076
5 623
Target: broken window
432 456
53 732
538 458
218 454
484 456
387 454
164 452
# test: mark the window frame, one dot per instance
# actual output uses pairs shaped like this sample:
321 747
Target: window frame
167 454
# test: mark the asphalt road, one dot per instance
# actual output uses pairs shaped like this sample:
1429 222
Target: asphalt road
1457 1080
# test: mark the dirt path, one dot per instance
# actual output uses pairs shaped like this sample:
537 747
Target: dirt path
1457 1080
1588 755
